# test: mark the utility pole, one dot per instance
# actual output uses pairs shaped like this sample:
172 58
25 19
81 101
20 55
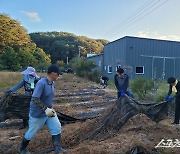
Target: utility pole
67 61
155 84
79 52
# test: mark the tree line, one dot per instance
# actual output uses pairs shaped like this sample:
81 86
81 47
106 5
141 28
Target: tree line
18 49
63 45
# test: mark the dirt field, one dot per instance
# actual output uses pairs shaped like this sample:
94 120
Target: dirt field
84 99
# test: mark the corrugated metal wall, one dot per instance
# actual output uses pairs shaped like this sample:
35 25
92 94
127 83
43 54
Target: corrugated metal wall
130 52
98 60
114 54
140 52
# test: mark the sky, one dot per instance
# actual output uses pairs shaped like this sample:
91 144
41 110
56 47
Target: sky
98 19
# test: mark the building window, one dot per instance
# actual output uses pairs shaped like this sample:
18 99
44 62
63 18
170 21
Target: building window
105 67
109 69
139 69
99 63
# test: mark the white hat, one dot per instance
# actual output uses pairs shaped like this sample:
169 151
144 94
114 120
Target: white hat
30 71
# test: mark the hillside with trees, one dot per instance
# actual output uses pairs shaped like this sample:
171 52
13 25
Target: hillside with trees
17 51
61 45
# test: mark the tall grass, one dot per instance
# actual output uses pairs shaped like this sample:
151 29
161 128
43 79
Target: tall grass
9 79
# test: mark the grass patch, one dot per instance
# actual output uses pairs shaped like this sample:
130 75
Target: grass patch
9 79
111 84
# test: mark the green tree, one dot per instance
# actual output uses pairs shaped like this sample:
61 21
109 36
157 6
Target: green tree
61 45
42 59
25 58
10 59
58 51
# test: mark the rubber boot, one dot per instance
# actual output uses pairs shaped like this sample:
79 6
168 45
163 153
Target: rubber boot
22 148
57 144
24 124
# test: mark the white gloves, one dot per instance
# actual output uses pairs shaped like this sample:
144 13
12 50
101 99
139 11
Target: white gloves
50 112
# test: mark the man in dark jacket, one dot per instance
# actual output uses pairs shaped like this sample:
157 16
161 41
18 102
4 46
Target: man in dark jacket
121 81
174 86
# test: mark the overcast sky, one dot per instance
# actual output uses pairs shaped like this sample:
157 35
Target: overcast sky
103 19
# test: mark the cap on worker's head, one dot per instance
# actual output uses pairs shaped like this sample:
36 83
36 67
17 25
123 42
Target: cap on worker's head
120 70
53 68
171 80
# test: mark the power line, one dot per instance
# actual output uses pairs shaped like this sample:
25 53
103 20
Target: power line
140 18
136 16
130 16
147 7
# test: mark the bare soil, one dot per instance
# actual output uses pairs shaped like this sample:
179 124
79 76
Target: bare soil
81 98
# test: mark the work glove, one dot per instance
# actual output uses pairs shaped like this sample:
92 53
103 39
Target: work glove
9 91
122 93
50 112
166 98
170 99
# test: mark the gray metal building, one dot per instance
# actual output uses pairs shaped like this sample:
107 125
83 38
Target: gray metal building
98 60
142 57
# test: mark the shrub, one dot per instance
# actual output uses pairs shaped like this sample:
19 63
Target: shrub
82 66
161 96
141 87
93 76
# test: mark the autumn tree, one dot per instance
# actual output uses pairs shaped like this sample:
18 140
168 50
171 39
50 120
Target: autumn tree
12 33
17 51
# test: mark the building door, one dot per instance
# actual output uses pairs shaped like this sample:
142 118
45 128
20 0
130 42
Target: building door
163 68
158 68
170 68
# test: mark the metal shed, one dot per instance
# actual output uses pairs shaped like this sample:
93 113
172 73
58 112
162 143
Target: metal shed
142 57
98 60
